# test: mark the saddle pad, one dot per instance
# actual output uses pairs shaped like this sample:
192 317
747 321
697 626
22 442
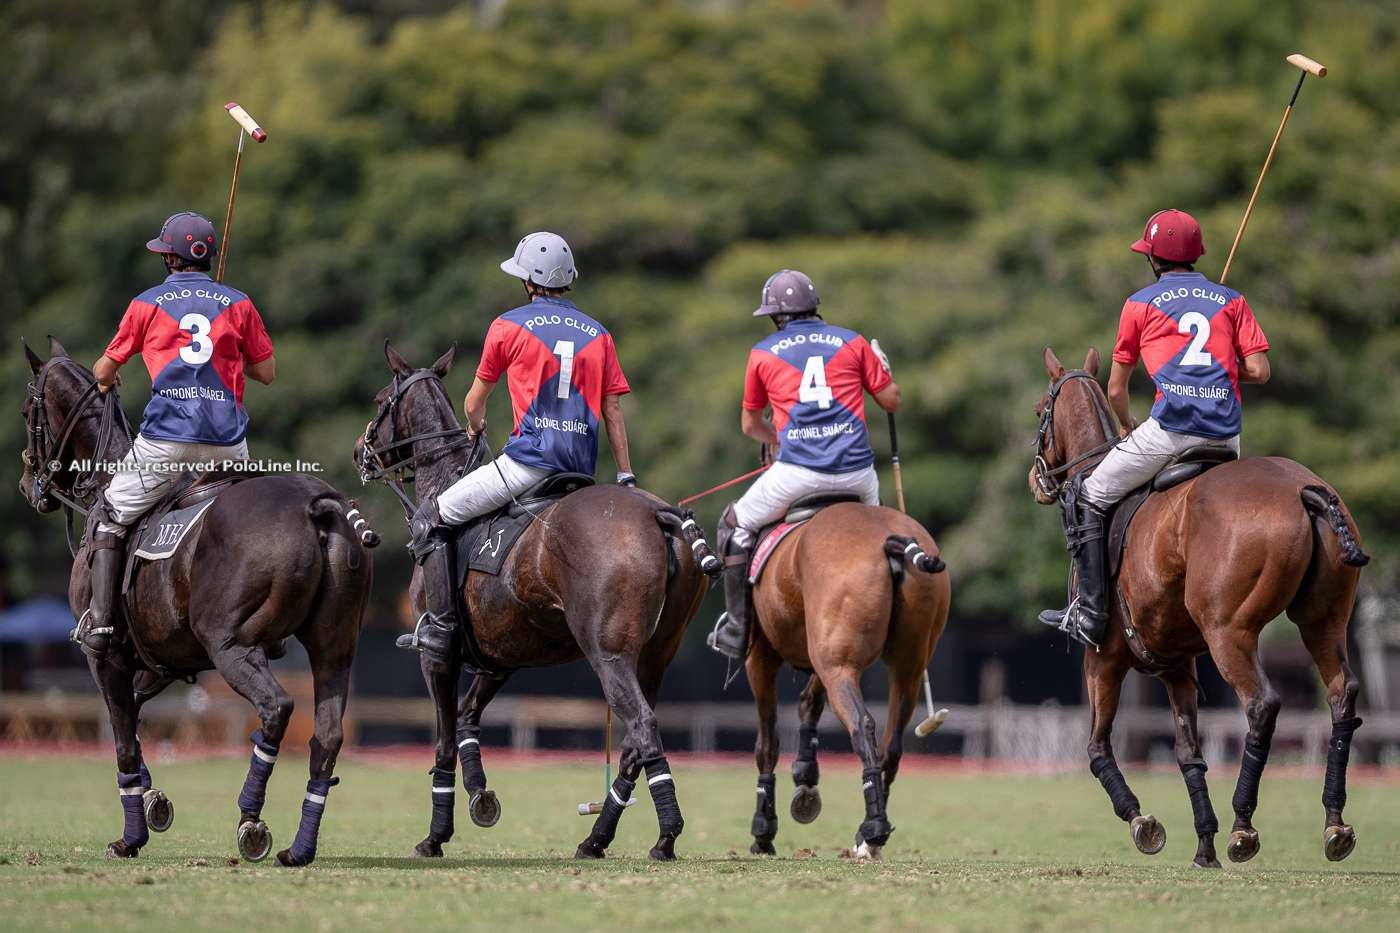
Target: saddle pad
769 540
486 543
161 539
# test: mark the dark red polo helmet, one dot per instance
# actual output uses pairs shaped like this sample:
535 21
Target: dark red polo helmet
187 235
1172 235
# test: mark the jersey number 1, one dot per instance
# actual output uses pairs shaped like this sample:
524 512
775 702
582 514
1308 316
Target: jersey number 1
564 349
814 387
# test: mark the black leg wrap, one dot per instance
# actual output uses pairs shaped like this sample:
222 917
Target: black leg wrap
765 814
876 829
1194 772
1334 785
1125 803
605 828
469 754
444 799
804 768
1252 763
663 797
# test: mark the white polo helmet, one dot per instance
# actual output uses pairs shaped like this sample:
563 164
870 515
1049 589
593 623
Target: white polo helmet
543 258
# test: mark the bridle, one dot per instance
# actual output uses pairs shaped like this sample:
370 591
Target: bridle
372 463
44 449
1051 479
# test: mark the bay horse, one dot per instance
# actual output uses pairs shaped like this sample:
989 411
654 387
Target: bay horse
1207 564
607 573
855 584
274 557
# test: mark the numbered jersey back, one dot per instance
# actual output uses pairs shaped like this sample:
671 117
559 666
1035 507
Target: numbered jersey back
560 364
1191 333
194 336
815 376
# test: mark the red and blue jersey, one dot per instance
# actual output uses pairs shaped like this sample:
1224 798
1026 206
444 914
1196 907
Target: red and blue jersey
560 364
815 375
194 335
1191 333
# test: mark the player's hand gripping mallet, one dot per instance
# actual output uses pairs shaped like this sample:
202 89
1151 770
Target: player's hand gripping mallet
935 717
1306 67
247 126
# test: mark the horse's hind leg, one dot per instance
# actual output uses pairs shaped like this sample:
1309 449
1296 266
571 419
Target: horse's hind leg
1327 643
483 805
330 673
843 683
116 684
1235 651
246 670
904 698
806 803
1181 691
762 669
1104 678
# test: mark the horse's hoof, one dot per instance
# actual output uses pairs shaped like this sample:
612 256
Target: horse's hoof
1244 845
806 803
1149 835
865 852
1338 841
254 840
286 859
120 849
428 848
485 809
1199 862
664 850
762 847
588 849
160 812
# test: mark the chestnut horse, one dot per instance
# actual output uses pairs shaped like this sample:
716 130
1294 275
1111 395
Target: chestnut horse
1207 564
606 573
274 557
855 584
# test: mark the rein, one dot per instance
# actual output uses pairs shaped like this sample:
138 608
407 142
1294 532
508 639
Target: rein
372 463
44 450
1052 479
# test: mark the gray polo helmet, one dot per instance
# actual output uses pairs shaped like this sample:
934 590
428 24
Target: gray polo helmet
787 291
187 235
543 258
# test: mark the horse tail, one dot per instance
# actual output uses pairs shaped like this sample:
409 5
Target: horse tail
1325 508
904 552
332 514
681 524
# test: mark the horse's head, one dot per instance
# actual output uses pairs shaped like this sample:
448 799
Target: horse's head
61 414
1076 426
413 408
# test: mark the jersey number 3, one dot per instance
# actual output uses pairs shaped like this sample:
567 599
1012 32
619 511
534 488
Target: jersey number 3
814 387
200 348
1196 323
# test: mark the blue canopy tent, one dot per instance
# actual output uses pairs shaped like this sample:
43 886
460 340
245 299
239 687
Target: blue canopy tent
42 620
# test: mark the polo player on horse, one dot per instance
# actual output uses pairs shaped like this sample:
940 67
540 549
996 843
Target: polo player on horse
814 375
198 339
1199 341
564 377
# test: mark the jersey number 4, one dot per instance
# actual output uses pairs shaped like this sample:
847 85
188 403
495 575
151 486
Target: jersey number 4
1197 324
814 387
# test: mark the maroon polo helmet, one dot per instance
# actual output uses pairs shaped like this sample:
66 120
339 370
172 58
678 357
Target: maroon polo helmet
187 235
1172 235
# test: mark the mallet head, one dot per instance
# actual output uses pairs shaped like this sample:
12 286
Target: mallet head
250 126
1298 59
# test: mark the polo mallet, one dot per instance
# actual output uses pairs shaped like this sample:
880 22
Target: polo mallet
247 126
1306 67
591 809
935 717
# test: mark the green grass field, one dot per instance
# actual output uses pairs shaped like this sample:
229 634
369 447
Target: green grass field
971 852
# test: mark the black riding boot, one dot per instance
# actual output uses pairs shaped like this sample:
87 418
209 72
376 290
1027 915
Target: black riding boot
731 635
1086 619
98 628
431 543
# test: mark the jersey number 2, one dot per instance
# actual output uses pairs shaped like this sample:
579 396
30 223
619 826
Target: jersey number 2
564 349
814 387
1196 323
200 348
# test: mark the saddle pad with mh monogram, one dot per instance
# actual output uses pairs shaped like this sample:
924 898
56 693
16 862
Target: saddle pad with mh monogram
161 539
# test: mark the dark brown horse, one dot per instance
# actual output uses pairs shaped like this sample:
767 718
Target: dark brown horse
606 573
274 557
856 584
1207 565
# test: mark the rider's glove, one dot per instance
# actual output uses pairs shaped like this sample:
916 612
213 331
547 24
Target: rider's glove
626 479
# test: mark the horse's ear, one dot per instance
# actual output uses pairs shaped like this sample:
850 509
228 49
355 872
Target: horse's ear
56 348
35 364
396 363
1091 362
1053 367
444 362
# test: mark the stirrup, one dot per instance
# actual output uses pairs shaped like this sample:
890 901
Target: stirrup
1068 624
409 642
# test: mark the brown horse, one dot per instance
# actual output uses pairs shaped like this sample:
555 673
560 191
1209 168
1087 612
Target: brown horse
607 573
274 557
838 594
1207 565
